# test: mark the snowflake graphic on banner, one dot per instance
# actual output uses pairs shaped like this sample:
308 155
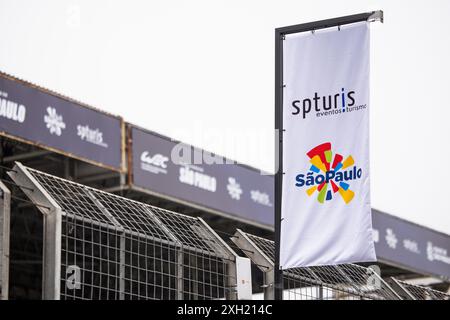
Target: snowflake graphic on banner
234 189
54 121
391 238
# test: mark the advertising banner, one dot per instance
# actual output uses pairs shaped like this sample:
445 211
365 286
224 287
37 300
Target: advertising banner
50 121
326 214
411 246
182 172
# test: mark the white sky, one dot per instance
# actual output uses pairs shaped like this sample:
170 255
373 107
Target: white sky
202 71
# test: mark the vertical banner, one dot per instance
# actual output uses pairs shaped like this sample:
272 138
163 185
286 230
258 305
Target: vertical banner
326 215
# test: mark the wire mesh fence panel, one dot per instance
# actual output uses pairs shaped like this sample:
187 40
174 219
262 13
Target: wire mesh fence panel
90 260
417 292
192 233
339 282
266 246
117 248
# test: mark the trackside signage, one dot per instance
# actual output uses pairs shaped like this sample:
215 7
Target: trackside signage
326 215
412 246
229 188
39 117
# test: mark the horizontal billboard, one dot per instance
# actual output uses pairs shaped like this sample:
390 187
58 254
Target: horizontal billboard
412 246
47 120
183 172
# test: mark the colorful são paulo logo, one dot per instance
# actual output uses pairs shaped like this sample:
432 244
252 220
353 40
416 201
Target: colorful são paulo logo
329 175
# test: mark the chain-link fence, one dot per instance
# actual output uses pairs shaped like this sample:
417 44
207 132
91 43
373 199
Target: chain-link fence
101 246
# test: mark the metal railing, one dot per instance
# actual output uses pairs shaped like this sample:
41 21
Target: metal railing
348 281
102 246
410 291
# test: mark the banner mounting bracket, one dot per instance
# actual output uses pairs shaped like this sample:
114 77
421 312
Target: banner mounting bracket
376 16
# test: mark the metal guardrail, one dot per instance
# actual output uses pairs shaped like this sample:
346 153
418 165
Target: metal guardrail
102 246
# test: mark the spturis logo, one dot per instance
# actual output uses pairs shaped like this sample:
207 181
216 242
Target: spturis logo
327 105
94 136
329 174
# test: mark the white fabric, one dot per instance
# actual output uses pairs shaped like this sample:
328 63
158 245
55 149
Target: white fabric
332 232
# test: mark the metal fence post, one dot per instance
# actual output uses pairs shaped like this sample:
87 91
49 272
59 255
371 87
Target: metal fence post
231 281
180 278
5 208
269 279
320 292
263 262
51 273
52 255
122 267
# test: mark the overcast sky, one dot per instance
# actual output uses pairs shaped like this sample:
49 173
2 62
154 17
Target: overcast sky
203 72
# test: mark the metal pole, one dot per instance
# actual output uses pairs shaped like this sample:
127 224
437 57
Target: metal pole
280 34
268 285
5 208
51 269
278 275
264 263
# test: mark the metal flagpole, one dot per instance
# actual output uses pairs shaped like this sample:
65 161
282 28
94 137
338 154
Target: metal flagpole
280 34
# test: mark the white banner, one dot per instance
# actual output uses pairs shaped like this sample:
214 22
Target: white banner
326 215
